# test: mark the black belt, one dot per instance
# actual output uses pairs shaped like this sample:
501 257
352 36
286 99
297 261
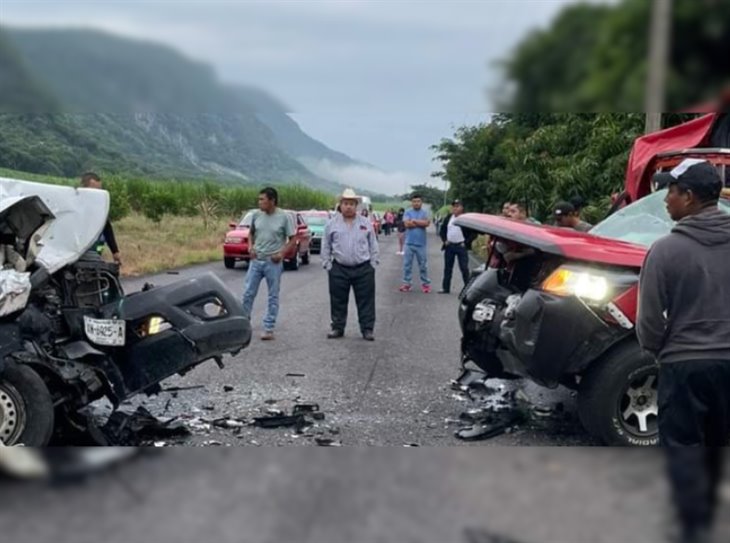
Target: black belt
353 267
460 244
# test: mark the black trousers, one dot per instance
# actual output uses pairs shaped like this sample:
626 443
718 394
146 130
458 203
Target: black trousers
451 253
694 426
362 280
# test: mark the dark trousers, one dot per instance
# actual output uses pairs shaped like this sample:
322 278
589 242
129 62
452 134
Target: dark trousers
694 425
451 253
362 280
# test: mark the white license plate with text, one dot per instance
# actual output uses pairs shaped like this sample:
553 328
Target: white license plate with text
108 332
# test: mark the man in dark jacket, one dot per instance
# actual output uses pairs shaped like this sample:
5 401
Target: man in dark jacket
684 321
456 242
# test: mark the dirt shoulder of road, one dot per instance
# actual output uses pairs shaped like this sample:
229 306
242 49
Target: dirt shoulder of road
149 247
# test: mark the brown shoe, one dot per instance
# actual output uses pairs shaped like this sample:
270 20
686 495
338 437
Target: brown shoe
267 336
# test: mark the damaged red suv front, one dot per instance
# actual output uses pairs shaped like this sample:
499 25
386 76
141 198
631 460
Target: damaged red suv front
561 308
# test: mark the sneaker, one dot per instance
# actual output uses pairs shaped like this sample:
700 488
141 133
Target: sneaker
267 336
405 288
335 334
368 335
426 289
401 253
442 291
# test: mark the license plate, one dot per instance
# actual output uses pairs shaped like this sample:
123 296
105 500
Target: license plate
108 332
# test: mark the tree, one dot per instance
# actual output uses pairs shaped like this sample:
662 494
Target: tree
430 195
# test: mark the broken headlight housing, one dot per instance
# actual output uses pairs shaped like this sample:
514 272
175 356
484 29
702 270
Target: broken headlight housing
151 326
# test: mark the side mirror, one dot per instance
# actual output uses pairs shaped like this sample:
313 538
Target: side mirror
232 225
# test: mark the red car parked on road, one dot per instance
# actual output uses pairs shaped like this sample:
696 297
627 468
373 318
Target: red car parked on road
236 246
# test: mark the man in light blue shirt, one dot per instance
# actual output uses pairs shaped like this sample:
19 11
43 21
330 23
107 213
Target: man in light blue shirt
416 220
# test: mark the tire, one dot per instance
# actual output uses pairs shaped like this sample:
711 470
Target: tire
617 399
293 265
229 263
305 258
26 407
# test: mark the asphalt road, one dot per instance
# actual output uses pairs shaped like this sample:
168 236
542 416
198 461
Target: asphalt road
389 495
393 391
383 394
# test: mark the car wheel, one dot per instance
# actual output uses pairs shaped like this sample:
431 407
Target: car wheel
229 262
305 258
26 407
293 264
618 398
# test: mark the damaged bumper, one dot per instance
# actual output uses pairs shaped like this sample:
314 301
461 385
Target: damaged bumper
535 335
196 320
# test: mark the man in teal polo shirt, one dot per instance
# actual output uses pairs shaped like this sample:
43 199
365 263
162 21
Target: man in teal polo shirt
271 236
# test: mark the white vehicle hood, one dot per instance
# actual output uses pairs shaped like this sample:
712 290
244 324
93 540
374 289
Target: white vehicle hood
68 220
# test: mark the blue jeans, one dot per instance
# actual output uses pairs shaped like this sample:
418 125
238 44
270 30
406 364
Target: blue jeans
257 271
421 254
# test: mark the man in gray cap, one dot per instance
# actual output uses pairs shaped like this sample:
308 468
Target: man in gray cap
350 255
684 321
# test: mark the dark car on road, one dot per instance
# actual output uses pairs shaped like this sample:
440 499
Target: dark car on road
236 246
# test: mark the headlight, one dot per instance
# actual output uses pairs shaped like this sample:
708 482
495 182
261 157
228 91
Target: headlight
152 326
591 285
234 239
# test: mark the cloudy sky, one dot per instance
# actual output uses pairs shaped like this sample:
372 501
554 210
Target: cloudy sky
378 80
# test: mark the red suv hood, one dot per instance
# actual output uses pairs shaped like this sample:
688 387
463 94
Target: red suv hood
558 241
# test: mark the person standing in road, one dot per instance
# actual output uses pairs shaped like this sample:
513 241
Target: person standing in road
401 228
271 236
350 256
416 220
566 216
90 180
684 322
389 219
456 244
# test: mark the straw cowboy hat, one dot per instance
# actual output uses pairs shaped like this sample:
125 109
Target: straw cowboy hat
349 194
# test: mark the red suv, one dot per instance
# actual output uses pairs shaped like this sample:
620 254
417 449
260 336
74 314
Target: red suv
565 313
236 246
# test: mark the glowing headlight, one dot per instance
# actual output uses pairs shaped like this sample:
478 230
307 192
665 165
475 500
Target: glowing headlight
583 284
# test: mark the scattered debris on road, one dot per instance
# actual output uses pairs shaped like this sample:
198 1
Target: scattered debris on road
327 442
136 428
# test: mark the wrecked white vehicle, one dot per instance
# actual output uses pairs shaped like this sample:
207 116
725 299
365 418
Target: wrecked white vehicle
68 333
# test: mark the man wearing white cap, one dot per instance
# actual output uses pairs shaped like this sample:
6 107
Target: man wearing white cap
350 255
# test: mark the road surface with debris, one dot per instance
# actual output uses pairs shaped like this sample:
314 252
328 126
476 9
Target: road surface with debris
394 391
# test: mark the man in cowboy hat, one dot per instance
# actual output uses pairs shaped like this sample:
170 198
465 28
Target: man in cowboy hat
350 255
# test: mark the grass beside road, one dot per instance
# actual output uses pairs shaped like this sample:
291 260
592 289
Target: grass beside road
149 247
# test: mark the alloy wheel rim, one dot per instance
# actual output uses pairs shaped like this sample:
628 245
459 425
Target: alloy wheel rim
639 406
